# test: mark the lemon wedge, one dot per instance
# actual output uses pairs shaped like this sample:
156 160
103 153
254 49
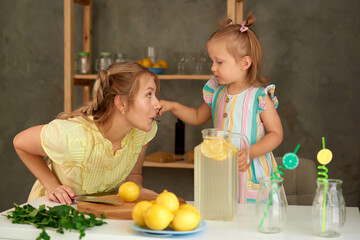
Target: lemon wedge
216 148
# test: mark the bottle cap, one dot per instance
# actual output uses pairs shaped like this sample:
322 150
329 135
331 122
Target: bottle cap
83 53
105 54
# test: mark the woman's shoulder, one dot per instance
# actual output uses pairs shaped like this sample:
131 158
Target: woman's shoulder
65 141
76 127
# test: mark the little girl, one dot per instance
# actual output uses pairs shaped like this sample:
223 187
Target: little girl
98 146
236 101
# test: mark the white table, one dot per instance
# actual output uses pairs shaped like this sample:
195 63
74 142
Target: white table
298 226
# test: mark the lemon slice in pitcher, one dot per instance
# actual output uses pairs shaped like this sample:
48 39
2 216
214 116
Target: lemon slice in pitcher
214 148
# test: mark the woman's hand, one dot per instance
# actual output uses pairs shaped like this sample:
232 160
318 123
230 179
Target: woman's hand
61 194
243 162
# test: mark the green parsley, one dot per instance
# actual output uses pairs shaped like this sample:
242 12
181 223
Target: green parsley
60 217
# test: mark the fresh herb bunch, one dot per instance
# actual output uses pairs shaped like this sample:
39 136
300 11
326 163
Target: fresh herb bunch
60 217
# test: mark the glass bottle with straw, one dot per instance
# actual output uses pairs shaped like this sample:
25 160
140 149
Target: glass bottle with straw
271 200
328 210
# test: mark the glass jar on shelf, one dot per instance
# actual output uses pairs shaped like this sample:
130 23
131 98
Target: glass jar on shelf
104 61
82 63
120 57
328 209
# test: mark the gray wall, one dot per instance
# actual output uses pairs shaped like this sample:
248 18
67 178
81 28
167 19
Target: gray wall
312 54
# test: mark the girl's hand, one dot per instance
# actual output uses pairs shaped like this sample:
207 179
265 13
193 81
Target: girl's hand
61 194
242 161
165 106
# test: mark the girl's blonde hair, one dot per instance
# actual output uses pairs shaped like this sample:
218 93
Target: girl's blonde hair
119 79
242 41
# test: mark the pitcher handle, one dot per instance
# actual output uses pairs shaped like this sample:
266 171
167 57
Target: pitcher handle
247 144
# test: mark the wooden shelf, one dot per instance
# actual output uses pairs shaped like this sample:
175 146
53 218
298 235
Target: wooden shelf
177 164
235 9
79 78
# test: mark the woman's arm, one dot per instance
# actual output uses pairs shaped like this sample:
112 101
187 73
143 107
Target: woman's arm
28 146
273 137
188 115
136 174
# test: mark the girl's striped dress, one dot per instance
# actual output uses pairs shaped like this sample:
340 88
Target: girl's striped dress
241 114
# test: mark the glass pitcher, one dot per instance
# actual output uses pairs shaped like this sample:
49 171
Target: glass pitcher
270 205
328 209
216 173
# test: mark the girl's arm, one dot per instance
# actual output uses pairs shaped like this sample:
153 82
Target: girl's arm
272 139
188 115
136 174
274 133
28 146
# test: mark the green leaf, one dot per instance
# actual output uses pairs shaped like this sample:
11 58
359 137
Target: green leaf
33 213
43 235
60 217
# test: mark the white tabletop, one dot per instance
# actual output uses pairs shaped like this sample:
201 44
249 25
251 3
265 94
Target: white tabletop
298 226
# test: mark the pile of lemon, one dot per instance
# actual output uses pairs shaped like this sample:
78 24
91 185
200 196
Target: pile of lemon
146 62
165 211
217 148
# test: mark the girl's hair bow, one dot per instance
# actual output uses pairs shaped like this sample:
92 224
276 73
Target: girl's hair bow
243 28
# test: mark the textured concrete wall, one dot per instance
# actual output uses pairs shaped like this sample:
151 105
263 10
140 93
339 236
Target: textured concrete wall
311 53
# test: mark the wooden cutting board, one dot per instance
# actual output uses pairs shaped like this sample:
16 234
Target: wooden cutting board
121 210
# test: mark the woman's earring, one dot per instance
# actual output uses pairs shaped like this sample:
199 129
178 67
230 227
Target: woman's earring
122 112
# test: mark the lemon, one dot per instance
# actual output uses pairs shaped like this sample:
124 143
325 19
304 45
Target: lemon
216 148
185 220
138 212
139 62
146 62
156 65
129 191
163 63
158 217
226 148
190 207
169 200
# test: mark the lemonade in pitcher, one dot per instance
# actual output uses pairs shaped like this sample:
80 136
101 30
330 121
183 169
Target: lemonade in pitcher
216 173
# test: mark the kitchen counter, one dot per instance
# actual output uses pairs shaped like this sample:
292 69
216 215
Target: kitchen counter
298 226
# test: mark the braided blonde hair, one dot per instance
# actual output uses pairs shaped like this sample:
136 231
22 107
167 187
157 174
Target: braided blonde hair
119 79
240 43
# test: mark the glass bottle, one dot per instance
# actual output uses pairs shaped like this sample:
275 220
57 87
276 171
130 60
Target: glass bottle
270 205
216 178
179 137
103 62
82 64
152 53
328 209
